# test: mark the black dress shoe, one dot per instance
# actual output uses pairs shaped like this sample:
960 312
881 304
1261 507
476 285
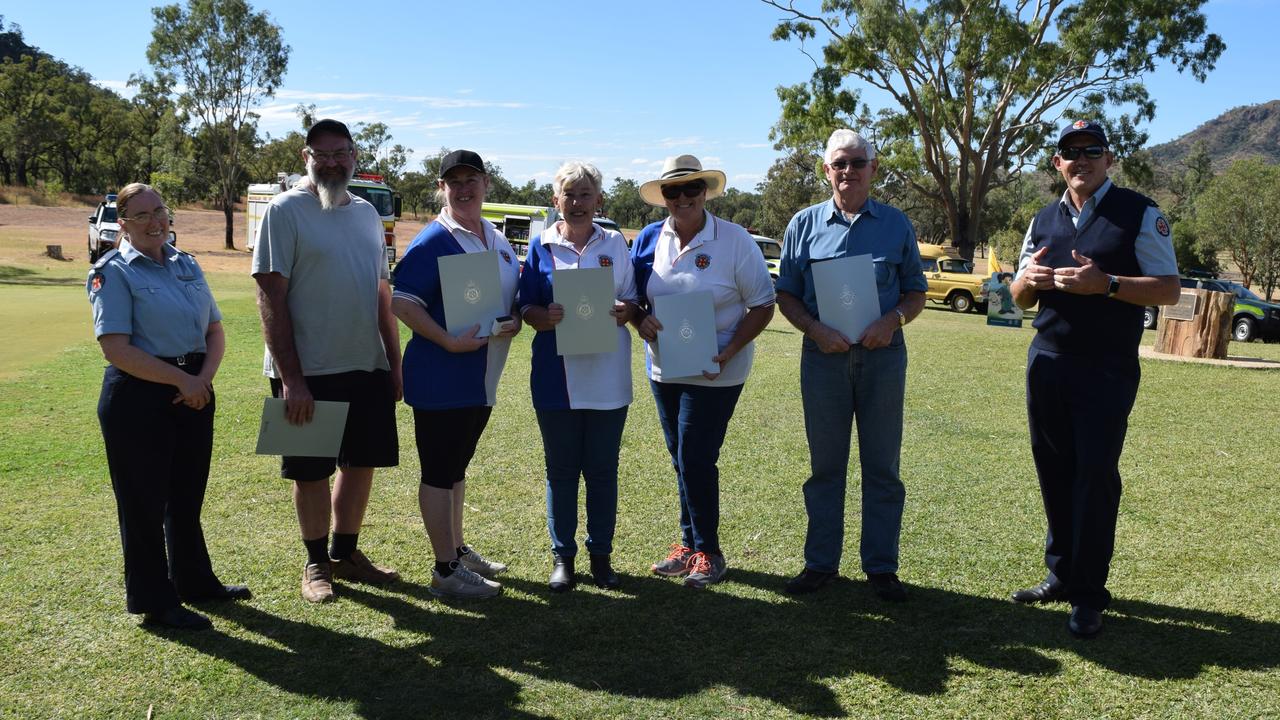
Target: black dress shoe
887 586
1045 592
225 592
562 579
1085 622
809 581
178 618
602 573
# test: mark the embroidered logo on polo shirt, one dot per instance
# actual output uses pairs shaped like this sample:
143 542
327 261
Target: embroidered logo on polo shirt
604 260
1162 226
98 281
471 293
702 261
505 256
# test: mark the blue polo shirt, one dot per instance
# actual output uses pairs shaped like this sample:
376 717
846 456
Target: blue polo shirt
822 232
164 308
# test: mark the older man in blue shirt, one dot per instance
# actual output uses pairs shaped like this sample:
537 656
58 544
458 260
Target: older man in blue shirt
843 378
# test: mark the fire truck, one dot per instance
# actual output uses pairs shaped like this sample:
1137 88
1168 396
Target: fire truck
371 188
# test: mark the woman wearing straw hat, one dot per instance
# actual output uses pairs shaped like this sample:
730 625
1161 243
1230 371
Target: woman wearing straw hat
695 250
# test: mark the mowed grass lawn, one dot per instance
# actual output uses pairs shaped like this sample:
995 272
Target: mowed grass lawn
1194 630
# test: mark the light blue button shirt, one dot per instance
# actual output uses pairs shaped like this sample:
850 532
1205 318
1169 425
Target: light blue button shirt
164 308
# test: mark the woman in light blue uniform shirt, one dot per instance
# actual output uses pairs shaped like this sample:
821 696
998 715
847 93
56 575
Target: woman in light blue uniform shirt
161 332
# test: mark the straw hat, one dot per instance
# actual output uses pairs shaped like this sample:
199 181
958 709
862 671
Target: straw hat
677 171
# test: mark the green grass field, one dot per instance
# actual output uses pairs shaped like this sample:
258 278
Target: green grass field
1194 630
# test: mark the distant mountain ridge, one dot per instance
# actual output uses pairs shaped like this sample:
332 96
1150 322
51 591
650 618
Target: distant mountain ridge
1246 131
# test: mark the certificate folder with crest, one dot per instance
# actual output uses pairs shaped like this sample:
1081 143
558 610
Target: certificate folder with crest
472 291
587 297
687 340
847 295
322 437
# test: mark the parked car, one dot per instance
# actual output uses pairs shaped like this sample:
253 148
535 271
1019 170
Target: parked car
772 251
952 281
1252 318
104 228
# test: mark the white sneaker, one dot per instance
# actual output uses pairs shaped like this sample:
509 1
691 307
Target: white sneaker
463 583
479 564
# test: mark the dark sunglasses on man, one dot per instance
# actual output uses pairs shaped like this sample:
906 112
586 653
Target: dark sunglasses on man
856 164
689 190
1093 152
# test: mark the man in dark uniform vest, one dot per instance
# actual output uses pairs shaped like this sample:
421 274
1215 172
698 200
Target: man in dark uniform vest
1092 261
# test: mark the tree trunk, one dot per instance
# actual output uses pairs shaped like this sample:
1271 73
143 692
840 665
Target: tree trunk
229 212
1208 331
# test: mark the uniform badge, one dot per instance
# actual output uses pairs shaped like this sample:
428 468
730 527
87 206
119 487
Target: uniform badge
702 261
1080 124
604 260
1162 226
98 281
505 256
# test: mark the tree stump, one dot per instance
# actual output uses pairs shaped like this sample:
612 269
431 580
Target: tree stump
54 251
1198 326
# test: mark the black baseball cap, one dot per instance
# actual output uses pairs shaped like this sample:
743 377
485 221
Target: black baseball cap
330 126
461 158
1087 127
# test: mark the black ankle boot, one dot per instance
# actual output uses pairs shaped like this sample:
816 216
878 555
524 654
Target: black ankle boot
602 573
562 579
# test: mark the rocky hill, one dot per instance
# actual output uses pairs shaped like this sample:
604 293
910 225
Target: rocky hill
1251 130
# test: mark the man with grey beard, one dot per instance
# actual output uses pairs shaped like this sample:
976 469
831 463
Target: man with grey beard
326 313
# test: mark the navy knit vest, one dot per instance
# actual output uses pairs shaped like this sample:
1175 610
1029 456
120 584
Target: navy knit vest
1091 324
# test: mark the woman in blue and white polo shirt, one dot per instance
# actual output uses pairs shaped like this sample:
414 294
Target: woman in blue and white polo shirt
695 250
452 382
580 400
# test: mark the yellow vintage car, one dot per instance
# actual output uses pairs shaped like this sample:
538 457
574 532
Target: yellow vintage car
952 280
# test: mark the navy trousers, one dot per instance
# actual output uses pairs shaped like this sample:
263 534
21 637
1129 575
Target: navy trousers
158 454
1078 409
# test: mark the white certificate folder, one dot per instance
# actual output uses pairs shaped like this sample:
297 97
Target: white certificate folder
587 297
848 299
472 292
687 340
322 437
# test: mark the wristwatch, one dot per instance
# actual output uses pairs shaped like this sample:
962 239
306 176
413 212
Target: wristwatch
1113 285
902 317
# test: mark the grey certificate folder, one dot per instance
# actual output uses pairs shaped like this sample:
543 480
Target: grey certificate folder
687 340
472 291
847 296
322 437
587 297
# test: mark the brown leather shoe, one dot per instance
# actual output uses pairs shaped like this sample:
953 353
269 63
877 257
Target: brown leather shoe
317 582
359 568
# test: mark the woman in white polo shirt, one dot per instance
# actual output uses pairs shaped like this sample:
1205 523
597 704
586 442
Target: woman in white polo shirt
695 250
580 400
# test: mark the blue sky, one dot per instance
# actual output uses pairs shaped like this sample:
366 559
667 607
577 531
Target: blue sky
620 84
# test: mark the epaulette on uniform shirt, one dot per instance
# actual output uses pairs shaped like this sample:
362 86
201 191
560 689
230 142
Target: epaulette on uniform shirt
102 261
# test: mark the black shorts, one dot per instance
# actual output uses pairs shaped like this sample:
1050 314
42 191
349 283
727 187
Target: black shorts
370 438
446 442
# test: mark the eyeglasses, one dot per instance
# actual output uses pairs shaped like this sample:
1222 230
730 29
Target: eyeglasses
689 190
146 217
856 164
336 156
1093 152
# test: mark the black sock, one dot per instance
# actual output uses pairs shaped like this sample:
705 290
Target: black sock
463 550
343 545
445 569
318 549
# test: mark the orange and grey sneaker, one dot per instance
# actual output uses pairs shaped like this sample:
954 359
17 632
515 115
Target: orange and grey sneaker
317 582
676 564
359 568
706 569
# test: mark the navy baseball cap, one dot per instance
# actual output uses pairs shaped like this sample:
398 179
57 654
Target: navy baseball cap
1088 127
461 158
330 126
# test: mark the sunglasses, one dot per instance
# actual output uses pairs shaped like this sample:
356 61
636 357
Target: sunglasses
856 164
689 190
1093 152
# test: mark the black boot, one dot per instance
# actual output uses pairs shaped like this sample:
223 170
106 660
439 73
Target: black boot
602 573
562 579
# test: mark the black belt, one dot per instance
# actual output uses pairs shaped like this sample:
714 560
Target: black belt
193 358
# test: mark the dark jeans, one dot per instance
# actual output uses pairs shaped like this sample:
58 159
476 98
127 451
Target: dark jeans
158 454
694 420
581 443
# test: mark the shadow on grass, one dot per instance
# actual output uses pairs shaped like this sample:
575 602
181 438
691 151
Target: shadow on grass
657 640
10 275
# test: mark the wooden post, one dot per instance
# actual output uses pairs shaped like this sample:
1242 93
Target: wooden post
54 251
1198 326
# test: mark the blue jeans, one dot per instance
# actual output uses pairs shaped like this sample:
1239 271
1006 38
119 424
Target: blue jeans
581 442
694 420
836 388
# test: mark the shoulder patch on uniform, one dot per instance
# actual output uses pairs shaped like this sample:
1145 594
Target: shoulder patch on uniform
98 280
1162 225
102 261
